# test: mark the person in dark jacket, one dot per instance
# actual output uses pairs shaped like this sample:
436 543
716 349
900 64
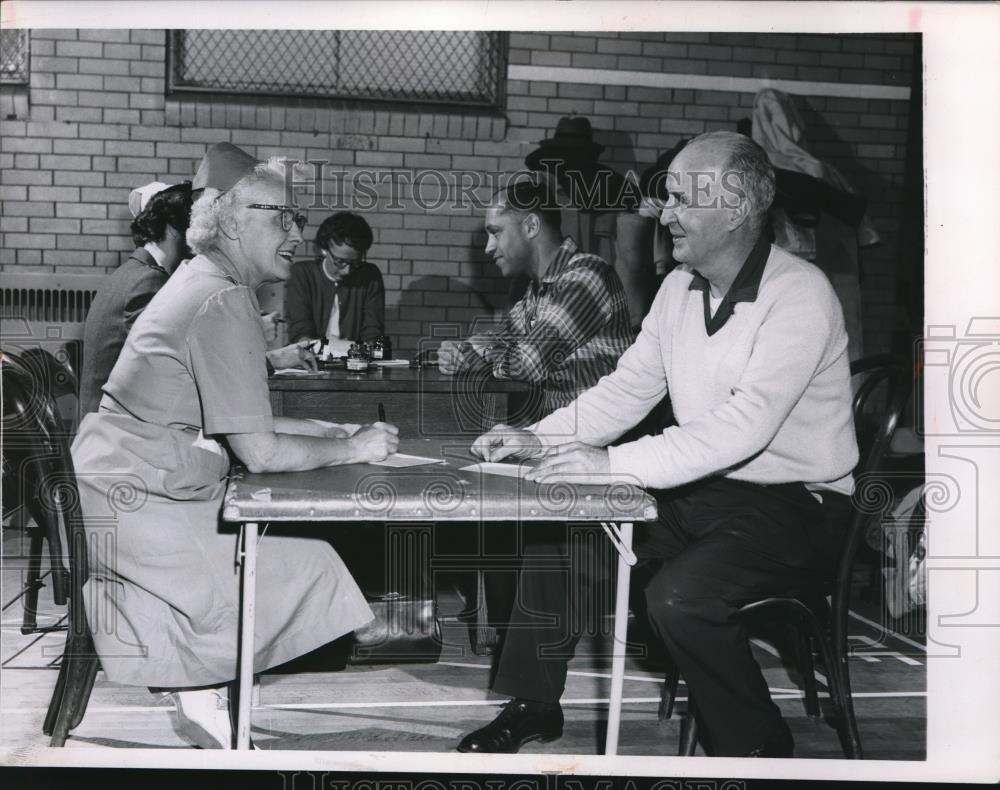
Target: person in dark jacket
158 232
339 296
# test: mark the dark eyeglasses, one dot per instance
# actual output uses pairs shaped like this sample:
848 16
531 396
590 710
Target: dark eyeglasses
342 263
289 214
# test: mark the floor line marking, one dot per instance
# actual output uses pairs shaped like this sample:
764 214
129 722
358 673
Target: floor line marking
900 637
576 672
457 703
770 649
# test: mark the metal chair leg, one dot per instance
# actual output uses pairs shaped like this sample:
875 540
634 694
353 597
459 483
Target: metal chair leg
75 682
80 674
669 693
689 732
804 659
57 697
88 675
840 700
840 694
853 749
29 623
50 526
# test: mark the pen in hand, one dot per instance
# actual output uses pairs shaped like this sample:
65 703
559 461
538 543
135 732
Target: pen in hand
381 413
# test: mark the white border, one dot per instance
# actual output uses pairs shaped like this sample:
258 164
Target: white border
962 83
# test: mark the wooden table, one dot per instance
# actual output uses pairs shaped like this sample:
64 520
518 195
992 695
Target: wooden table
423 402
431 493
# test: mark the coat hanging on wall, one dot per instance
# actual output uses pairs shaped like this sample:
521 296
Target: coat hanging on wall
816 215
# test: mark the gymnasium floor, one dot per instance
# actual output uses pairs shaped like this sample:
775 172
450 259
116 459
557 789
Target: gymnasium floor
428 707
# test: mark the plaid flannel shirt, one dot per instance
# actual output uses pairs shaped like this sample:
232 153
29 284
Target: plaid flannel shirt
567 331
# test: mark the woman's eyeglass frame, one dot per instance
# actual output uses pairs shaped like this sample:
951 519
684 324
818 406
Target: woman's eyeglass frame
289 215
342 263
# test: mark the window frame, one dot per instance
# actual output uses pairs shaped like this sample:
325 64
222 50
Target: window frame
24 80
180 90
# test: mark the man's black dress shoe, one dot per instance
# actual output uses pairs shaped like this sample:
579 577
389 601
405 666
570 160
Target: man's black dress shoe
520 721
778 744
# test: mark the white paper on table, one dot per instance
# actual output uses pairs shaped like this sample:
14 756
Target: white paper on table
391 363
295 372
493 468
400 460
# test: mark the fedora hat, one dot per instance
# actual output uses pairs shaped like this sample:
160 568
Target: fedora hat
573 141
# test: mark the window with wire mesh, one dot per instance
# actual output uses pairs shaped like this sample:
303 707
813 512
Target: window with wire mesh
450 67
14 57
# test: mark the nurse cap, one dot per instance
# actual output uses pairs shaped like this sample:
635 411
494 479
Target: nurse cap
139 197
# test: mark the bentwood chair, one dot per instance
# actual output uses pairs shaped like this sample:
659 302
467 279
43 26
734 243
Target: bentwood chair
36 450
879 400
33 444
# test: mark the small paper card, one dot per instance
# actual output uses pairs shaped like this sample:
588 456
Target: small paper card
400 460
505 470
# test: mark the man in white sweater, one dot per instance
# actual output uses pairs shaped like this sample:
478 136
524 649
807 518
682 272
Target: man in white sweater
753 482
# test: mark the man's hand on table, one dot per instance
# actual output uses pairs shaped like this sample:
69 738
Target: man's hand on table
374 442
294 355
502 441
575 462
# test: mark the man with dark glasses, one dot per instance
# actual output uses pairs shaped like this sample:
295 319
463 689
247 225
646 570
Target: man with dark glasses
338 295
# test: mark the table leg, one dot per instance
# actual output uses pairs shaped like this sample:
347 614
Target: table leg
248 567
621 634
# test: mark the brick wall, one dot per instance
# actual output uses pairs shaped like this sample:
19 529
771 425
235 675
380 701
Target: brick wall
95 122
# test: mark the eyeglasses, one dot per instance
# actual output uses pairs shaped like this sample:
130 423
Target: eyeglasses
289 214
341 263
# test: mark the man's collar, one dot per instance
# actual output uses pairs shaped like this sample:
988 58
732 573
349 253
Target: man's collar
743 289
566 251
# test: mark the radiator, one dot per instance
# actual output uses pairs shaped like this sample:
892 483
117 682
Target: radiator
38 309
49 309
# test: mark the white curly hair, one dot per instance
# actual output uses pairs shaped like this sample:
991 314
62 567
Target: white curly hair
214 207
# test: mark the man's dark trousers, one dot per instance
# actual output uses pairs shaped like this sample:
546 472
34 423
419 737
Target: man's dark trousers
716 545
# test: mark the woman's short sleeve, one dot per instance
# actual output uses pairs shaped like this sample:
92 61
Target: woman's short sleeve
228 363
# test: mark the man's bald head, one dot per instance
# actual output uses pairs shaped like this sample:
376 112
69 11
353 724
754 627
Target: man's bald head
746 170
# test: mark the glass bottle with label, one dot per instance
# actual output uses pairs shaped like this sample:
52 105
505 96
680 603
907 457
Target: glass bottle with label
381 348
358 358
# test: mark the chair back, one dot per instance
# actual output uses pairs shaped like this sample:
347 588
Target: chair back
36 449
53 373
878 404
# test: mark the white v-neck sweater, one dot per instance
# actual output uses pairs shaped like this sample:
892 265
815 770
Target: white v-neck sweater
766 399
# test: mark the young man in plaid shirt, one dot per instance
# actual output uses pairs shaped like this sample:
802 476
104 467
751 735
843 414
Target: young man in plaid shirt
571 325
563 335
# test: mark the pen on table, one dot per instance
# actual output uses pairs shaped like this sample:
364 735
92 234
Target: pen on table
381 413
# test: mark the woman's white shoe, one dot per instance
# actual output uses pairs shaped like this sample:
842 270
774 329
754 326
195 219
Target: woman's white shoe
203 718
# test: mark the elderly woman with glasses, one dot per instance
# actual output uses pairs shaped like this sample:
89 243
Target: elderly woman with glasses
338 296
187 398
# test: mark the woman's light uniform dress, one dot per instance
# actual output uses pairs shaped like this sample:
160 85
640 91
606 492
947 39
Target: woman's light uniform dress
163 593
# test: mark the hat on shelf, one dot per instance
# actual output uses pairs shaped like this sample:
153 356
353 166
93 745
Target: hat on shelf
571 155
573 141
139 197
222 166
